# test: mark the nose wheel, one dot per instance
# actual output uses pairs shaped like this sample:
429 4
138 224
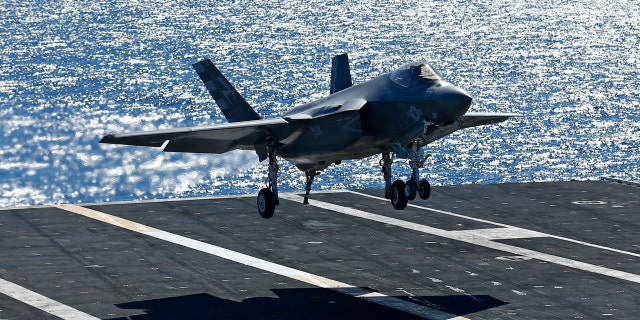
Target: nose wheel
424 189
398 195
400 192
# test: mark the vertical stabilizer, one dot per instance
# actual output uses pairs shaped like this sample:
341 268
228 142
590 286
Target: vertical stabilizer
340 73
232 104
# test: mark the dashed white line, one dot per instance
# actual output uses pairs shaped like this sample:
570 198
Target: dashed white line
41 302
473 237
265 265
587 244
499 233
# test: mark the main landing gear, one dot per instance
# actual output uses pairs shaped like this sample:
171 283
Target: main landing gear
400 192
268 197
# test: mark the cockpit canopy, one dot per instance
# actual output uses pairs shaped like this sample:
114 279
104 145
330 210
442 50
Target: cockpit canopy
415 75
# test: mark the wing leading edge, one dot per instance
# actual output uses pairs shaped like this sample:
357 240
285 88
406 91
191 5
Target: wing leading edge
246 135
474 119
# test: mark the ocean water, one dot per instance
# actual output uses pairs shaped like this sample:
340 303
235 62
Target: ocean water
73 71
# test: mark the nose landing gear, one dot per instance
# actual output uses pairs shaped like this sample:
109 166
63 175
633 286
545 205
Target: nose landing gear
400 192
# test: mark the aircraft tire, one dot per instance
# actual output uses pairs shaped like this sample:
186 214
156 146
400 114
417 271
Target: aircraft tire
411 189
398 195
266 203
424 189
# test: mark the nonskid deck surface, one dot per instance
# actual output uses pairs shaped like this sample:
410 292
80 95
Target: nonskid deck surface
566 250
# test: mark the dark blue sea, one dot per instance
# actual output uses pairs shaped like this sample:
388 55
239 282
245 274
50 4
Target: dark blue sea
73 71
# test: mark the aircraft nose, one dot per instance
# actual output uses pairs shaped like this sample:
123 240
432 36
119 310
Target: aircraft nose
456 99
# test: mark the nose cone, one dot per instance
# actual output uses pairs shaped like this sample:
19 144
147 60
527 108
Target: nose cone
456 100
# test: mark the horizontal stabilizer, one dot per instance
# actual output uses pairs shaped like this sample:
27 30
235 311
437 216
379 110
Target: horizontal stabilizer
206 139
474 119
232 104
340 73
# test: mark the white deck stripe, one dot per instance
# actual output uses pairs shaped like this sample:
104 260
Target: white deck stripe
41 302
500 233
471 237
265 265
506 226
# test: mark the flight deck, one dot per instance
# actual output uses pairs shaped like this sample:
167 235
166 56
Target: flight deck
563 250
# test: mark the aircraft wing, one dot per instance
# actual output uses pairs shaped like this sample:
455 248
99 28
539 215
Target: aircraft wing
247 135
474 119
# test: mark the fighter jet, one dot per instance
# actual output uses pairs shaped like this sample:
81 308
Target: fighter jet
394 115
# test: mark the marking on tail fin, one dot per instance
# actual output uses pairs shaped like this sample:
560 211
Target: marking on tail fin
230 102
226 92
210 85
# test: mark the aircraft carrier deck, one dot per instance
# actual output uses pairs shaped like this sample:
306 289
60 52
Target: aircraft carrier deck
563 250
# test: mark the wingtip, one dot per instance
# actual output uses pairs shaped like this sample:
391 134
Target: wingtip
108 139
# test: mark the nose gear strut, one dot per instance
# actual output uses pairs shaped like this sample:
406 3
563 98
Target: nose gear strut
400 192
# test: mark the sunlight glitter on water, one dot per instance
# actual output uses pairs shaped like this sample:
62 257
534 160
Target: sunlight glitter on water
74 71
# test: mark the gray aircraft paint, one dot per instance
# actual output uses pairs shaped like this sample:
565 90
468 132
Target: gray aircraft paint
398 112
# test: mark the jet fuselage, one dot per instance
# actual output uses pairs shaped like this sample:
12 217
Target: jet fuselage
366 119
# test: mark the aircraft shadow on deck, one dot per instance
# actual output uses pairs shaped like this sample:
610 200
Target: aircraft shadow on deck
308 303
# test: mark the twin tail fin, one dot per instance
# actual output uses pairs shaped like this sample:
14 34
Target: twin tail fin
232 104
340 73
235 108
